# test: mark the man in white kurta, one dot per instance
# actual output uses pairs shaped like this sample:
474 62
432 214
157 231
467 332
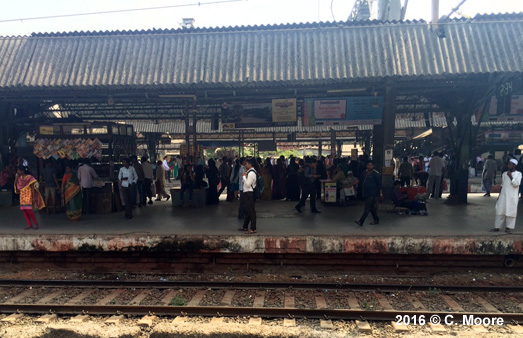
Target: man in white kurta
507 204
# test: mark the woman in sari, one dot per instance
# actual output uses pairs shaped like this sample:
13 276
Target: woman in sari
72 195
25 185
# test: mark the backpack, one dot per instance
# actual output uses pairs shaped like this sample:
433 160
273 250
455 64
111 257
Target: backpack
259 187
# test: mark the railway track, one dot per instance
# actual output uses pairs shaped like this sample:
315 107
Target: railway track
269 300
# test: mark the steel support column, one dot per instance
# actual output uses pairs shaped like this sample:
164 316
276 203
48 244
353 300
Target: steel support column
383 135
383 139
195 136
5 115
333 143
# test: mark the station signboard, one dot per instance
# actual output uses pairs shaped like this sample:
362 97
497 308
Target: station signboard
497 112
355 110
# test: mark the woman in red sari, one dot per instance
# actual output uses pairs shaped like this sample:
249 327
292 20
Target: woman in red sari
25 185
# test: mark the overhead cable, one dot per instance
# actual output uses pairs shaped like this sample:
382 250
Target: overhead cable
195 4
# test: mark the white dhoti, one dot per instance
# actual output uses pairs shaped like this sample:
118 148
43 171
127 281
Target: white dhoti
507 204
510 221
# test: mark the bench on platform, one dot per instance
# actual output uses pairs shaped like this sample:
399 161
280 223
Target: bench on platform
199 197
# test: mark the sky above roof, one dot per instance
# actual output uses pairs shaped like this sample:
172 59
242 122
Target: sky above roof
238 13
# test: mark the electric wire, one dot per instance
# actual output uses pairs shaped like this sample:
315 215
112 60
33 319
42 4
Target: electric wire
196 4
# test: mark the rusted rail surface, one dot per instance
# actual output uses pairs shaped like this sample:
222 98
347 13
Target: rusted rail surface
15 303
251 285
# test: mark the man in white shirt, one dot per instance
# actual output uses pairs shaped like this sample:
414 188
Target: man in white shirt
241 208
128 178
249 183
86 175
507 204
436 165
165 165
148 181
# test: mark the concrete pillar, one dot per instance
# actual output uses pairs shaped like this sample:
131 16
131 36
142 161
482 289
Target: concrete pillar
320 148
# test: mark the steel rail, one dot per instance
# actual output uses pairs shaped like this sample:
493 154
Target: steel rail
213 311
252 285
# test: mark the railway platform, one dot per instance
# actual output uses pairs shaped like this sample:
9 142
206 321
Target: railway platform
447 230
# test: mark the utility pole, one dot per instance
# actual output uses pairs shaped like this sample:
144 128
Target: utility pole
387 10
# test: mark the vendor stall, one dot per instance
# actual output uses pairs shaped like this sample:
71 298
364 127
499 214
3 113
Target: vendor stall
103 144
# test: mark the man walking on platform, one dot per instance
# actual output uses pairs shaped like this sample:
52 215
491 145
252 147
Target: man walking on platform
148 178
309 187
166 168
241 208
489 173
249 184
140 184
225 177
436 166
86 175
507 204
160 182
405 172
128 178
371 192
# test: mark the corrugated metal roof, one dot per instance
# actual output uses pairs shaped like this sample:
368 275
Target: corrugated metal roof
299 54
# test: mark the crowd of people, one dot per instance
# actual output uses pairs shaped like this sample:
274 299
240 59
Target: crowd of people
248 179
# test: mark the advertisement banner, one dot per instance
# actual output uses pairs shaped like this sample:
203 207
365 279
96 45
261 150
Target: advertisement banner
343 111
330 192
72 149
251 115
330 109
284 110
46 130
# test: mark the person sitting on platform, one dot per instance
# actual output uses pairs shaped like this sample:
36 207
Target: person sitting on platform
401 199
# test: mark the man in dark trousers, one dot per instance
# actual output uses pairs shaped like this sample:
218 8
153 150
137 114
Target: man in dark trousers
128 178
225 178
309 188
370 182
249 183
